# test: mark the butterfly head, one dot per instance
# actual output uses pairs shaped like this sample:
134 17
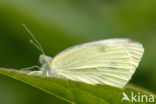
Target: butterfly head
44 59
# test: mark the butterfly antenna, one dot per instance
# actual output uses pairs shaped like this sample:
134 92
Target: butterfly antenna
36 43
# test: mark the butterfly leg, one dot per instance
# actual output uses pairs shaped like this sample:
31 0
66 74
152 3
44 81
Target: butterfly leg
45 70
36 73
29 68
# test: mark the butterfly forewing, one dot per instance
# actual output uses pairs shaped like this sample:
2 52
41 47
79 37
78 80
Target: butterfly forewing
110 62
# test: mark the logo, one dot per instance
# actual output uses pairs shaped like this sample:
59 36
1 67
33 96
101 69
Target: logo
137 97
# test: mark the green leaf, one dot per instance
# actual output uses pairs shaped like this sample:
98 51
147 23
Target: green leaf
74 92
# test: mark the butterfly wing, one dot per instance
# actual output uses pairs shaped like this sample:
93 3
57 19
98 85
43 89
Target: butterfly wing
111 62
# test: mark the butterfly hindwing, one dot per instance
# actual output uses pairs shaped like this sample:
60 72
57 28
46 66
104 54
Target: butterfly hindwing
111 62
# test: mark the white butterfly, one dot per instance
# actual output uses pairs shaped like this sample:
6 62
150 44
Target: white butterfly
111 62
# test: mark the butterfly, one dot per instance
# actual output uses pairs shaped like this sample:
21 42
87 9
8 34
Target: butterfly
107 62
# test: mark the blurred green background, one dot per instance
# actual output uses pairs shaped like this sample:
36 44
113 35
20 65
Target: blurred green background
59 24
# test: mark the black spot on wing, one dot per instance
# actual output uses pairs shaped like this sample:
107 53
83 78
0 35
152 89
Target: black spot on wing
102 49
113 64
